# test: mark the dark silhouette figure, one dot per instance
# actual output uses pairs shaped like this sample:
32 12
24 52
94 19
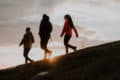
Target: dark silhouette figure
67 30
45 30
27 41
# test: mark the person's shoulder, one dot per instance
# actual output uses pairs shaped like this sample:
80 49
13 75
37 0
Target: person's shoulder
66 22
30 33
25 34
49 23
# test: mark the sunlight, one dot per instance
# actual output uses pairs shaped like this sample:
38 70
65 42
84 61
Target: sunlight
12 56
57 53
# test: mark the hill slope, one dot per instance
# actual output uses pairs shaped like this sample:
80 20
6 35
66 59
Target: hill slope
93 63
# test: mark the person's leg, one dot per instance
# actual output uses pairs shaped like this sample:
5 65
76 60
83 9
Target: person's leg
44 43
66 42
66 48
46 48
25 55
27 50
43 46
45 55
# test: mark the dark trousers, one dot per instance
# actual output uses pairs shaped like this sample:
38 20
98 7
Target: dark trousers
66 43
26 52
44 42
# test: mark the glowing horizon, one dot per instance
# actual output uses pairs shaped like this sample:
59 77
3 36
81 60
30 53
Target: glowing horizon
13 56
97 21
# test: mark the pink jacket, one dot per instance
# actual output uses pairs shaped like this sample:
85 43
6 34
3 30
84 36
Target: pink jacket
67 30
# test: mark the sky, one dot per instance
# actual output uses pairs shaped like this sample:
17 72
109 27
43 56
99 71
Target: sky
97 21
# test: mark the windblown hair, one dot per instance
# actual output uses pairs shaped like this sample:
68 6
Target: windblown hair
68 17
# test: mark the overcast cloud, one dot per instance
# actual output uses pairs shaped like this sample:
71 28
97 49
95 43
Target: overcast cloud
97 17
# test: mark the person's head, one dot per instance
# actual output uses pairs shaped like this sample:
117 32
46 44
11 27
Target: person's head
28 29
69 19
45 17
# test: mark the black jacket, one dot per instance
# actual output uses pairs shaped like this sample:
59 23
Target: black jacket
45 28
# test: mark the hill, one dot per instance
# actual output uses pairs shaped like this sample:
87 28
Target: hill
94 63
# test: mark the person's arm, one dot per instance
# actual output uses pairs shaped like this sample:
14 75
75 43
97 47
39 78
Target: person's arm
39 29
51 27
33 40
76 33
22 41
64 29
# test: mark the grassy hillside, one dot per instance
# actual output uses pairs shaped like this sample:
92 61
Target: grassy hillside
93 63
25 71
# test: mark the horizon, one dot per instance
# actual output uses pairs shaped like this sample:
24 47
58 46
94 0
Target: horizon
97 21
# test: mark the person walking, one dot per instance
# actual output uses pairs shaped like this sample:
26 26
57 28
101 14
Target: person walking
45 30
27 41
67 32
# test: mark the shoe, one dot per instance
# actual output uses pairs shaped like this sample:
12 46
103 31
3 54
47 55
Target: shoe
31 61
48 51
75 49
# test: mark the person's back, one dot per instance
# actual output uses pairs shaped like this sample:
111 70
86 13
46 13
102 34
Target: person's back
67 32
28 40
45 30
45 27
67 28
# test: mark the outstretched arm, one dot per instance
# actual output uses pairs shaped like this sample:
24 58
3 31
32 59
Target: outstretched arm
76 33
33 40
64 29
22 41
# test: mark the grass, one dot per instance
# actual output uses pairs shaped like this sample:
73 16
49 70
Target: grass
93 63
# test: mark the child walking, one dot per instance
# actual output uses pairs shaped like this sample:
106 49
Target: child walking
67 32
27 41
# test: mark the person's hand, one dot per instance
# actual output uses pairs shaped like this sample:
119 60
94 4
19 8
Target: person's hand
61 35
20 44
77 35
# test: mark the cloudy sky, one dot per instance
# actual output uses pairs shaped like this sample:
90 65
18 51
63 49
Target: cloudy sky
96 20
100 18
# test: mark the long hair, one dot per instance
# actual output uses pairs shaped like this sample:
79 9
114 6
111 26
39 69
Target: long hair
68 17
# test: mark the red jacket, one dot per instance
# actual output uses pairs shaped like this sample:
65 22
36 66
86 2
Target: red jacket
67 30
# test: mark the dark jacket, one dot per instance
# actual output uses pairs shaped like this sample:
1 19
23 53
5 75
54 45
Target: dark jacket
45 27
27 40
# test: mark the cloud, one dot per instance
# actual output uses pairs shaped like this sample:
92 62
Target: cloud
47 3
87 32
15 15
13 10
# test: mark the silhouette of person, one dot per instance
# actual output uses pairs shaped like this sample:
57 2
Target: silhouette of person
27 41
67 30
45 30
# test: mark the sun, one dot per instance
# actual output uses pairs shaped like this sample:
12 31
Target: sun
57 53
38 54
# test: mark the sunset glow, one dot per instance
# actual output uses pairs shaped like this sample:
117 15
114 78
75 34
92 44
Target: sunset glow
97 22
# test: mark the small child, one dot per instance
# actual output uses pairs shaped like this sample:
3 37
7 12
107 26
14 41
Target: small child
27 41
67 32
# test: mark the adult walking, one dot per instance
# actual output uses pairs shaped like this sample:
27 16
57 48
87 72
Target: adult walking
45 30
67 32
